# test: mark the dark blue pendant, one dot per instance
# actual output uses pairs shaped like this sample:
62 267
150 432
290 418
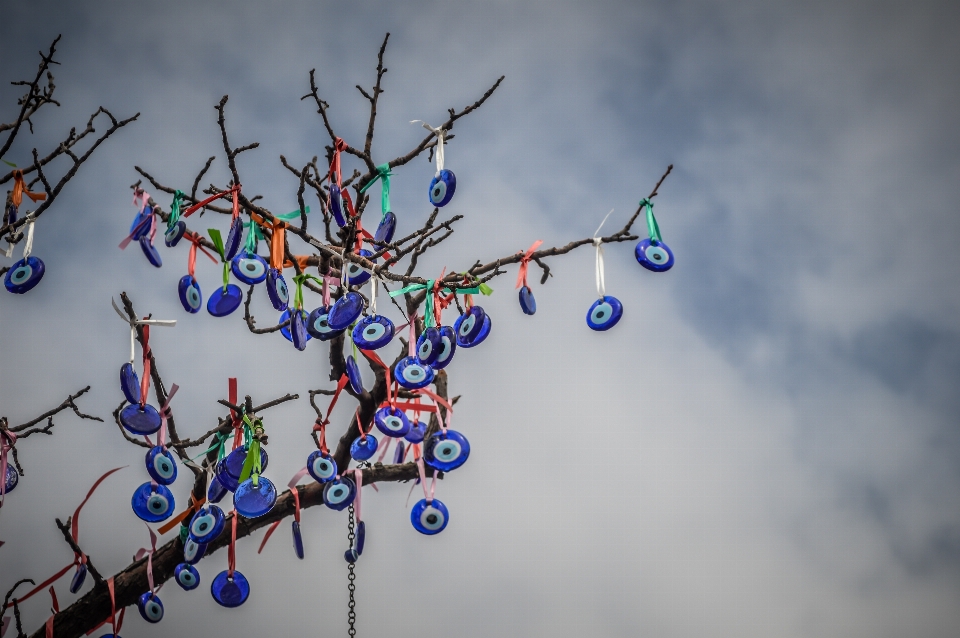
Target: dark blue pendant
193 551
442 188
216 491
230 591
24 275
139 421
277 289
363 447
656 257
253 501
141 223
337 208
10 214
484 333
297 326
351 555
356 275
361 537
392 422
150 607
527 302
233 462
353 373
417 431
161 466
373 332
186 576
469 324
604 313
429 518
153 503
232 245
222 302
297 540
190 296
150 251
174 234
386 228
11 479
318 325
249 268
428 345
321 466
78 577
206 524
446 451
129 383
399 453
339 494
412 374
345 311
225 478
448 347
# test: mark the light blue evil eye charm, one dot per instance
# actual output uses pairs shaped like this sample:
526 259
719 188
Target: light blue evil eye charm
446 451
322 467
253 501
428 345
417 431
353 374
604 313
190 296
153 503
363 447
442 188
186 576
174 234
412 374
356 275
318 324
429 517
193 551
298 327
11 479
230 591
206 524
24 275
392 422
250 268
345 311
386 228
337 207
339 494
654 256
373 332
469 324
448 346
150 607
297 539
232 245
161 466
78 577
150 251
527 302
277 289
139 421
129 383
222 302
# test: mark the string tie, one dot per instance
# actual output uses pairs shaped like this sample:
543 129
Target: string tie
438 153
525 263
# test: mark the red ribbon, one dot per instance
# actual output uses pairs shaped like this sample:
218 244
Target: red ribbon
195 240
145 377
296 502
338 146
143 551
232 551
114 621
525 263
235 190
321 425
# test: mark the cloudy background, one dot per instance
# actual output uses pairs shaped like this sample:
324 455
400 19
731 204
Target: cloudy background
768 442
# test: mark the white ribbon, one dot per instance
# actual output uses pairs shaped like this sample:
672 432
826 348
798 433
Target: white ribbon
28 244
139 322
439 152
373 294
598 242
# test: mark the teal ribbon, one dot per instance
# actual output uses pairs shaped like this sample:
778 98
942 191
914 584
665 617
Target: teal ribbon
428 310
253 234
175 209
219 446
653 229
383 173
295 214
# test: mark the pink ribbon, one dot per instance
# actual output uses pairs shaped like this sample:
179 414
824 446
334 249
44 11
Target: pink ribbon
136 229
423 481
525 263
164 415
149 554
7 440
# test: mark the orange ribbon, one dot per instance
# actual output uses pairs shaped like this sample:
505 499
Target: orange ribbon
20 189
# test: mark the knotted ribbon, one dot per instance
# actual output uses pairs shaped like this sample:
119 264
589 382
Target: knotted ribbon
139 322
598 243
296 502
383 174
653 229
195 245
233 190
440 132
525 263
20 189
143 551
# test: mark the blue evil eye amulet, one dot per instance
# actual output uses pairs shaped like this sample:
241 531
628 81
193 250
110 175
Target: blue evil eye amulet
250 268
253 501
353 374
604 313
224 301
448 347
140 420
161 466
296 332
363 447
356 275
322 467
442 188
337 206
232 245
190 296
392 422
129 383
230 591
428 345
429 518
345 311
78 577
277 289
412 374
386 228
654 256
337 495
150 607
417 431
373 332
153 503
216 491
24 275
206 524
446 451
11 479
186 576
482 333
297 539
469 324
150 251
174 234
193 551
318 324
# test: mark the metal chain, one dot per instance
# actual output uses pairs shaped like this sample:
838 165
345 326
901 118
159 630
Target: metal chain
351 614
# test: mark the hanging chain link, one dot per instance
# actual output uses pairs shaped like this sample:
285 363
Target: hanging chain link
351 614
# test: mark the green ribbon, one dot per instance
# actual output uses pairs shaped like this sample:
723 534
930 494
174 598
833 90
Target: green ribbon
428 310
217 241
653 229
288 216
253 234
298 293
175 209
226 275
383 173
9 163
251 465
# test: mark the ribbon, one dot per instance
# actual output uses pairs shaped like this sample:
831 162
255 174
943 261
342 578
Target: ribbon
195 245
7 440
653 229
358 478
140 198
55 609
423 477
252 464
321 426
373 356
175 207
232 550
115 621
176 520
143 551
296 503
139 227
383 174
435 303
164 415
598 243
440 132
234 190
139 322
338 146
28 244
298 293
525 263
20 189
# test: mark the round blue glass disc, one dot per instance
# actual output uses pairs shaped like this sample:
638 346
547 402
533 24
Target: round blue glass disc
153 504
399 453
353 373
207 523
448 347
78 577
250 268
150 251
150 607
412 374
216 491
161 466
446 452
361 536
345 311
233 462
141 223
428 345
129 383
357 275
139 420
288 335
174 234
11 479
469 324
417 431
186 576
222 302
373 332
318 324
527 302
322 467
254 501
604 313
656 257
339 494
298 330
429 518
386 228
193 551
484 333
363 448
337 206
442 188
225 478
392 422
277 289
297 540
190 296
230 592
232 244
24 275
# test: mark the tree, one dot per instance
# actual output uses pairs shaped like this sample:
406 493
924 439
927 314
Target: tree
348 254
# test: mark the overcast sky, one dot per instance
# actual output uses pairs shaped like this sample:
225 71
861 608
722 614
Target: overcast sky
767 444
